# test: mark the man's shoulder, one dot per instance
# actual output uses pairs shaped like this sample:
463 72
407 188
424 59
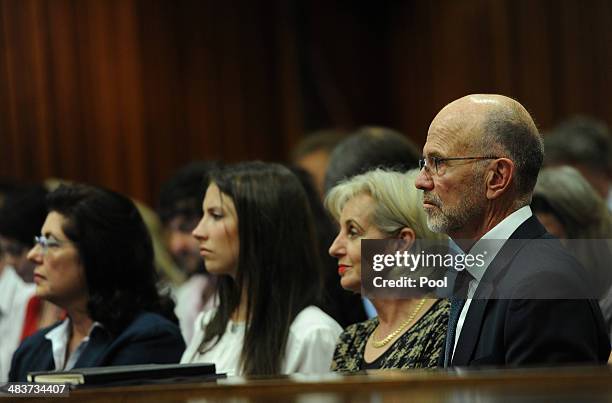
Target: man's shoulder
547 255
541 268
537 247
547 251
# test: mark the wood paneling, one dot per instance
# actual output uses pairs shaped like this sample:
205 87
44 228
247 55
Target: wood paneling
554 57
121 92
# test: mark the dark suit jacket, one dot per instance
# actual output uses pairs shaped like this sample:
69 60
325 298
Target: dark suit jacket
149 339
522 331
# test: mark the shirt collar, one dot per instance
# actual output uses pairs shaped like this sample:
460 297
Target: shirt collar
59 336
495 238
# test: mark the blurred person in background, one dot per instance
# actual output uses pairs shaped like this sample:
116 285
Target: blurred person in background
586 144
368 148
94 258
22 313
407 333
170 275
14 295
257 236
570 209
313 152
180 209
21 217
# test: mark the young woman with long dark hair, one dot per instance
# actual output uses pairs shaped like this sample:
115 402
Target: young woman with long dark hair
257 236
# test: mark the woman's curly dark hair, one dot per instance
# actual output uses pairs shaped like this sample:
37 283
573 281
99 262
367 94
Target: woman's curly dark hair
116 252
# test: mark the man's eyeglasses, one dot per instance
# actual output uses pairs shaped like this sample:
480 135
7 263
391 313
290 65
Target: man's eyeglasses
436 164
47 243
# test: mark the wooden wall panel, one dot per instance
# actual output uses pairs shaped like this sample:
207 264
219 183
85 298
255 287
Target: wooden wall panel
555 57
65 88
122 92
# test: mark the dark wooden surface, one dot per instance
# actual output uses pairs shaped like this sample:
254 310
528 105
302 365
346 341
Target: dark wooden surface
533 385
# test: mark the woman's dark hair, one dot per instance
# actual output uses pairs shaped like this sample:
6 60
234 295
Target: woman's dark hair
277 264
344 306
116 252
23 213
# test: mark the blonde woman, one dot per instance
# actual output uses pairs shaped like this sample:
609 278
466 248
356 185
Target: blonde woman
408 333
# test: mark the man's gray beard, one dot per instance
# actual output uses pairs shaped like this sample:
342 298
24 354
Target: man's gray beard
454 220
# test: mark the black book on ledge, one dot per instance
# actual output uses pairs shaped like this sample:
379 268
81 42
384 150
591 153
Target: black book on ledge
127 374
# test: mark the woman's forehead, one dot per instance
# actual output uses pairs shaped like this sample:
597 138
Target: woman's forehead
53 223
359 206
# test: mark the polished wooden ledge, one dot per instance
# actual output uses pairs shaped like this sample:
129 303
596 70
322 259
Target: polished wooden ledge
580 384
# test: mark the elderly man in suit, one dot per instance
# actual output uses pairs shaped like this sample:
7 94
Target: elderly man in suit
479 167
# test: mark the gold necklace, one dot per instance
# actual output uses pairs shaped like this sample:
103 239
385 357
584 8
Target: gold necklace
396 332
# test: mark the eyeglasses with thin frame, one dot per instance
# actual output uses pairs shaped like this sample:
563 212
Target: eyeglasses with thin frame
48 243
437 163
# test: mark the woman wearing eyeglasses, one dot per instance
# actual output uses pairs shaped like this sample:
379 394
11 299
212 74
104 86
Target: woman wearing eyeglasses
95 260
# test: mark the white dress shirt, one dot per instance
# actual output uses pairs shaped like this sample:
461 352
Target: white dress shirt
501 232
14 297
310 344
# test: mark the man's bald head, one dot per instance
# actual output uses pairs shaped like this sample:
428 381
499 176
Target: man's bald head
497 125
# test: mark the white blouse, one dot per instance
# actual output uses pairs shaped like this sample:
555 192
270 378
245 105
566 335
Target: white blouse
310 344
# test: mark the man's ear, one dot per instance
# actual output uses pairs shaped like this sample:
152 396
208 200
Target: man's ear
499 178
